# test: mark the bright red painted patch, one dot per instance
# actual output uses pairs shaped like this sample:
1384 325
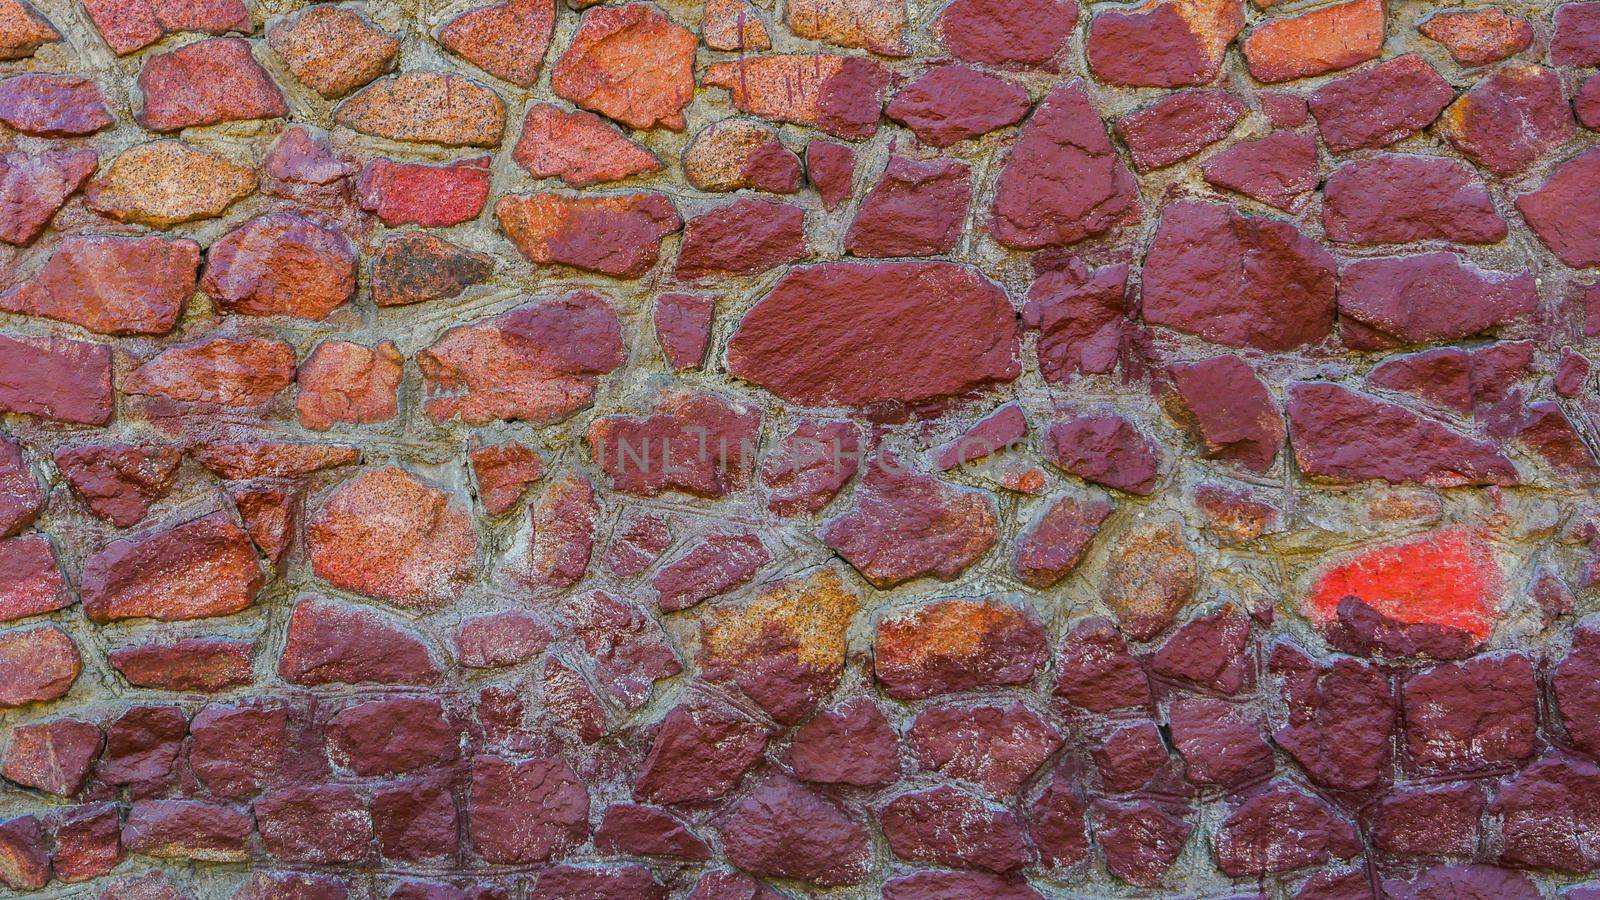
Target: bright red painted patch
1448 578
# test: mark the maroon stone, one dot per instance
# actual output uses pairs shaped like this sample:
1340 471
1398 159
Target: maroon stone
626 645
1130 757
1230 410
1280 170
1510 119
1254 840
1429 820
809 467
918 208
1057 824
501 639
629 828
1163 44
53 378
1030 34
624 882
949 104
1471 715
415 821
949 827
1428 297
958 886
187 829
699 443
700 753
746 237
1237 280
386 737
783 829
1082 319
1338 718
142 744
995 747
716 565
1545 810
524 812
956 645
1220 742
88 842
1063 181
831 169
1558 211
203 665
31 583
1179 126
1577 35
237 750
54 756
1106 450
334 643
1140 839
1096 672
318 824
205 83
1395 199
851 744
683 326
1378 106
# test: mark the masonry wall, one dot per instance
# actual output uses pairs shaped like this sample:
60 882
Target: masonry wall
839 448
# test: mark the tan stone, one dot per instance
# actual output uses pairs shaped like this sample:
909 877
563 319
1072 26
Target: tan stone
167 183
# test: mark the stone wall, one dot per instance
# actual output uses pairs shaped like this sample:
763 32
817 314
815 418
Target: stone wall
1001 449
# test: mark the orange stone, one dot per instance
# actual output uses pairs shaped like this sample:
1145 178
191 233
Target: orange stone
167 183
578 147
785 88
344 382
332 49
1478 37
1448 578
733 25
226 372
507 40
1315 43
427 108
23 30
617 235
629 63
876 25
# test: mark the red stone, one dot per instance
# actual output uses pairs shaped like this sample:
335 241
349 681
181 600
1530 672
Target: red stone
1211 652
904 524
529 811
746 237
683 327
617 235
957 645
119 482
1028 35
1558 213
335 643
1063 181
910 331
1394 199
810 466
782 829
578 147
1428 297
563 526
54 756
1338 719
1378 106
24 854
715 565
202 568
504 472
403 193
187 829
538 363
1220 742
88 842
1543 812
319 824
995 747
629 63
219 372
1510 119
1284 109
129 25
202 665
1477 37
500 639
416 821
737 153
700 753
270 513
34 188
342 382
30 578
1238 280
1106 450
831 169
242 460
618 881
111 284
628 649
951 103
205 83
142 745
1317 42
1096 672
1055 541
1163 43
1576 41
1178 126
1427 820
1082 319
629 828
23 30
1130 757
54 378
1344 436
950 827
1254 842
53 105
415 267
292 886
1473 715
698 443
389 535
508 40
851 744
237 750
1228 408
639 541
916 209
281 264
388 737
733 25
332 49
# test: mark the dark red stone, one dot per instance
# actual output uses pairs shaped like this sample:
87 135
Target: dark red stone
1575 683
1344 436
700 753
1378 106
1130 757
318 824
1471 715
615 882
1429 297
1510 119
1237 280
416 821
783 829
31 582
415 267
205 83
187 829
715 565
683 326
54 378
1280 170
1178 126
24 854
629 828
337 643
529 811
918 208
405 193
1429 820
638 543
699 443
1106 450
1082 319
850 744
88 842
202 665
746 237
1338 718
831 168
996 747
119 482
1063 181
627 647
1020 35
1211 652
1056 822
1558 211
1163 44
949 827
237 750
142 745
1577 35
1220 742
501 639
54 756
1395 198
386 737
1545 811
958 886
1095 671
1468 881
1140 839
949 104
1254 840
809 467
1228 408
